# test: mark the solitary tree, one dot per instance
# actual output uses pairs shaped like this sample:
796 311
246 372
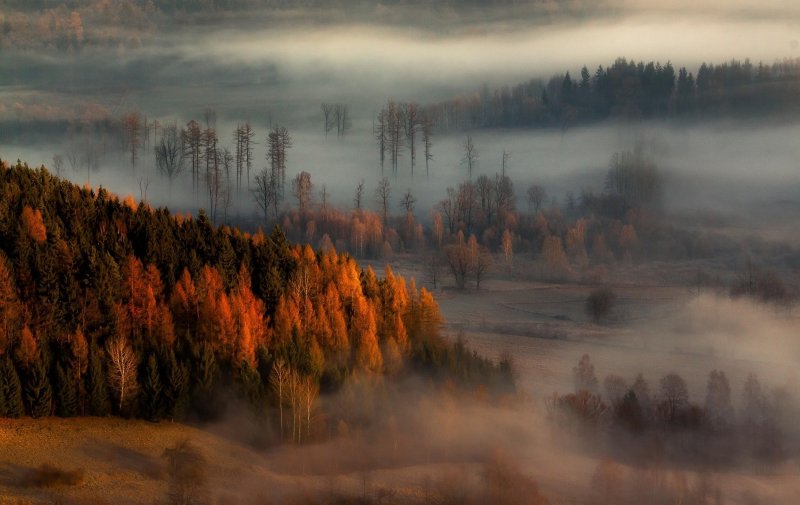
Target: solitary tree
122 369
427 142
583 375
382 194
674 397
470 158
536 197
358 198
599 303
380 130
327 117
132 130
169 153
411 125
302 187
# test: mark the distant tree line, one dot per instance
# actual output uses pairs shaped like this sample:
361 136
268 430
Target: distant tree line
111 307
629 90
761 428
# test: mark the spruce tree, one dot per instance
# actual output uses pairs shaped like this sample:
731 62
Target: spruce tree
204 399
177 390
3 408
98 392
38 392
152 406
66 392
11 388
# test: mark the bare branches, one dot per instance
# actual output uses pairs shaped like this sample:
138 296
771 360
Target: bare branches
169 153
122 369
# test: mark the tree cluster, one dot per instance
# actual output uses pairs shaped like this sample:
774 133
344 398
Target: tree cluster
761 428
111 307
627 89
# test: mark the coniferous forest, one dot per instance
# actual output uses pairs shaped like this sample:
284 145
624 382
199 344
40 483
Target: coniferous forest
114 308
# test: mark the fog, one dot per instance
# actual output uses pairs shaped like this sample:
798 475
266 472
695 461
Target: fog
745 174
279 70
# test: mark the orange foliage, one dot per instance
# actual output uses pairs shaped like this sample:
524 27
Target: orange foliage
28 349
34 224
130 203
9 305
364 336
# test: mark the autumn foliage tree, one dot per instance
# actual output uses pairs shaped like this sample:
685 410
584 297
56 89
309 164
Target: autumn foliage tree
160 314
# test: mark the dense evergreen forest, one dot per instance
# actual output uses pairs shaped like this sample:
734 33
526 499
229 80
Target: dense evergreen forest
112 307
629 90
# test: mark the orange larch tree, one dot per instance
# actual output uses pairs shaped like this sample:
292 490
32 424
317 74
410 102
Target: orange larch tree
34 224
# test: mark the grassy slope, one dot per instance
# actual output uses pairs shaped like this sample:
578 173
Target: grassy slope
121 458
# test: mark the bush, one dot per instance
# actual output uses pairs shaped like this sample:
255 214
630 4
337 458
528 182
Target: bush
49 475
600 303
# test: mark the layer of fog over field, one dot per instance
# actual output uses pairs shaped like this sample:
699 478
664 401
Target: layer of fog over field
744 175
281 72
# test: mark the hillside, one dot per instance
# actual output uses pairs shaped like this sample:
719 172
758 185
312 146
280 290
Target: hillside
112 307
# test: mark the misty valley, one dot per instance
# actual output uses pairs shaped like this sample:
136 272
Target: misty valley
455 252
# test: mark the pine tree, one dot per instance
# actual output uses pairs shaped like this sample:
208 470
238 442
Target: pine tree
11 389
98 392
66 392
38 392
152 391
177 387
204 398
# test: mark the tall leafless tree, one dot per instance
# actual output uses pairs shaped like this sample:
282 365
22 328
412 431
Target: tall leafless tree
357 200
411 118
169 153
342 117
278 142
427 142
122 369
132 131
327 117
382 194
265 193
193 147
470 158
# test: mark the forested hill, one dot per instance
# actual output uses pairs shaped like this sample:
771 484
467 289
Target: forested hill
108 306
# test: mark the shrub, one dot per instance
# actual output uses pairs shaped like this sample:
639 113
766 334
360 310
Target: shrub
49 475
600 303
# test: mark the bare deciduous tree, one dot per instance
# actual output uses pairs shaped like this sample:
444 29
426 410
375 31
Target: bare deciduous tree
427 141
358 199
382 194
536 197
470 158
380 130
279 382
192 141
169 153
278 142
122 369
266 193
132 131
407 202
327 117
411 124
